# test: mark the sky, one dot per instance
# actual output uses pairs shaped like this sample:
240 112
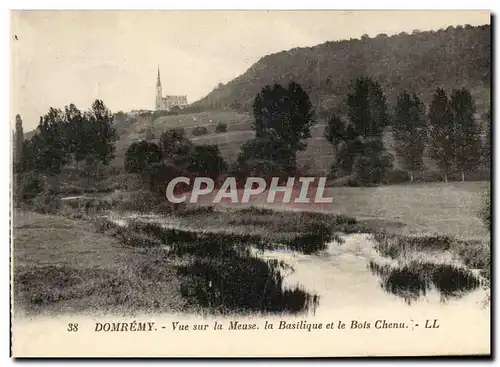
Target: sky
62 57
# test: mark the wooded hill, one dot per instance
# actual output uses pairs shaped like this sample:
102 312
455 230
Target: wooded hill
455 57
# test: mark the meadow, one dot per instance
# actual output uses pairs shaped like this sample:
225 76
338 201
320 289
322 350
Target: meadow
434 208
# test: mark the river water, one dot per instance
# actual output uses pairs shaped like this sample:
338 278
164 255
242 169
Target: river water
342 279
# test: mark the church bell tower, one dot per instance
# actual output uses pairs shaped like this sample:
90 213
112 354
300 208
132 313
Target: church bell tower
158 91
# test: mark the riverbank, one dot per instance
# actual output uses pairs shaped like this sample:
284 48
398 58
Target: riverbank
248 260
63 265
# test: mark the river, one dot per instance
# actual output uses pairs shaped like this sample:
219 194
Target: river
342 279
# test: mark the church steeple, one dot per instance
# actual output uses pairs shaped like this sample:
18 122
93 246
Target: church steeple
158 91
158 81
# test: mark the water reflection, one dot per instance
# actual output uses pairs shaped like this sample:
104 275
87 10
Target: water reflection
239 284
220 271
236 273
413 280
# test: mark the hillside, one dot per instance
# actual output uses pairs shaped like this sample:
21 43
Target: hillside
450 58
317 158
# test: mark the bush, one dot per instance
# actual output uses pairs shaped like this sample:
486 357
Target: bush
141 155
103 224
70 190
221 127
200 130
207 160
396 176
129 238
428 176
29 186
46 203
142 201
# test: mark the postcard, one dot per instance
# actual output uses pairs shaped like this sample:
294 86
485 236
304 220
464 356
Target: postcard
250 183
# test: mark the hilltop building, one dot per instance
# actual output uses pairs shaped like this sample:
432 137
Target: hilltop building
166 103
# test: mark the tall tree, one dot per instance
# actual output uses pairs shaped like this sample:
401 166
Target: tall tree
266 155
301 116
346 144
370 167
18 143
441 130
410 131
286 112
358 145
79 133
466 134
367 108
50 146
104 134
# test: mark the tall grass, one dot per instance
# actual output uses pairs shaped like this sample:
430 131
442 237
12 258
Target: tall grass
218 270
473 254
414 279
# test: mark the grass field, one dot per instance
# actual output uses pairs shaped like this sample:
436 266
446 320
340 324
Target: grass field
63 265
412 209
425 209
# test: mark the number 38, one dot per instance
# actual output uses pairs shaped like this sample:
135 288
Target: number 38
72 327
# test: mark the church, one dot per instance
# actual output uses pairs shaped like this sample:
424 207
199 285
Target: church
166 103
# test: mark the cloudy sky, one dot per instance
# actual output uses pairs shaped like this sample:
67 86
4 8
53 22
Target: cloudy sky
62 57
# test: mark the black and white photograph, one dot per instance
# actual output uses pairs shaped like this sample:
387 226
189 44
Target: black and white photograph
286 183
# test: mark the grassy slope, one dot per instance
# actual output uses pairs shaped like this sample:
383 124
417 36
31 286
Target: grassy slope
317 158
63 265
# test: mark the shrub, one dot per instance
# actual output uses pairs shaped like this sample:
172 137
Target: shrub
428 176
221 127
46 203
207 160
141 155
70 190
193 211
200 130
396 176
142 201
129 238
103 224
29 186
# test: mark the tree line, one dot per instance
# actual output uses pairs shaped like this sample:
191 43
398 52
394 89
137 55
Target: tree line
69 136
174 155
448 128
283 117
